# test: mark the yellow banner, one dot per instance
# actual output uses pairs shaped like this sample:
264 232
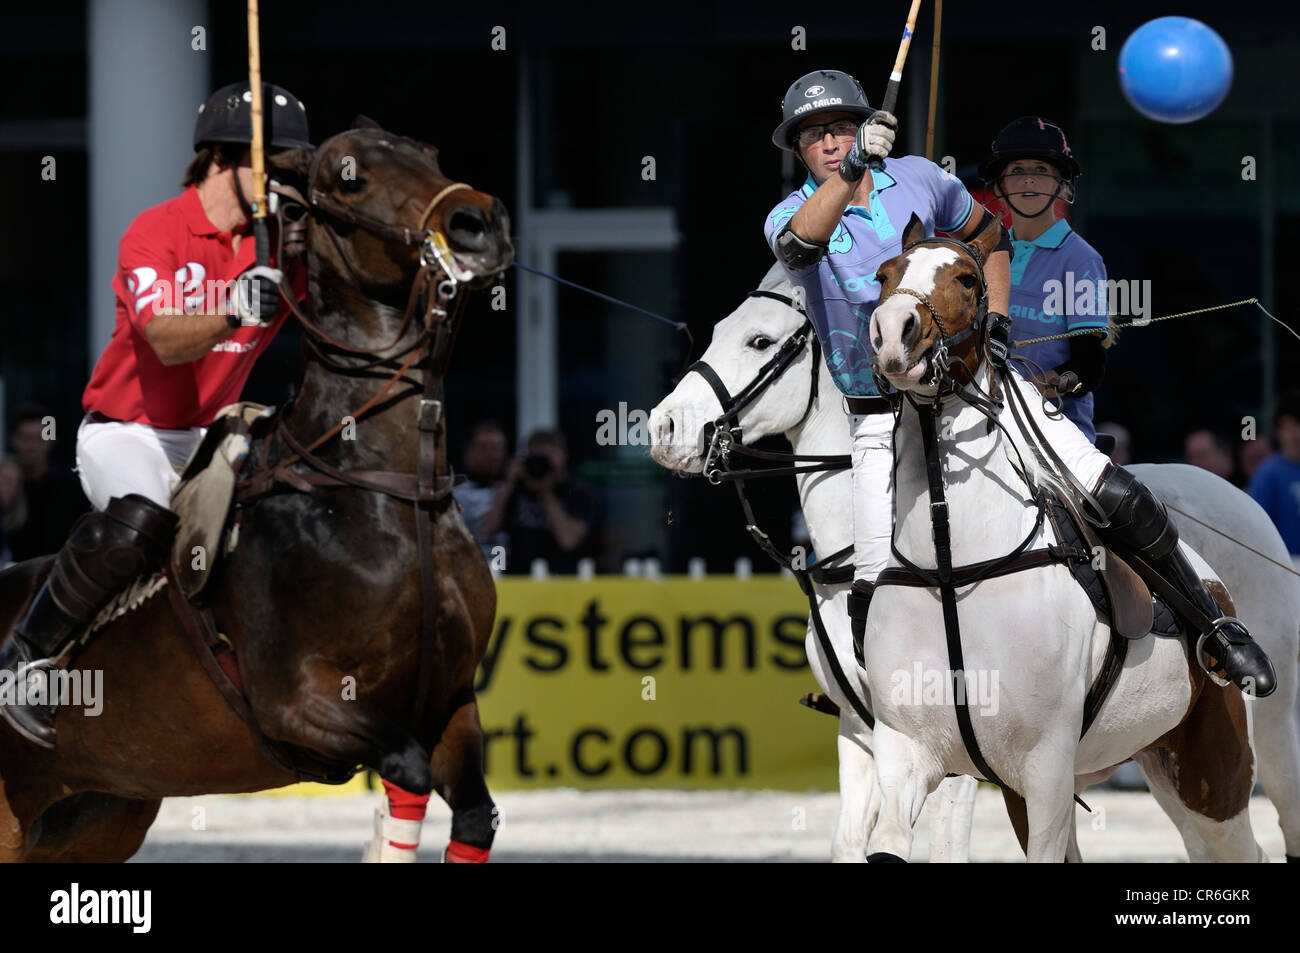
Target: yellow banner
669 683
676 683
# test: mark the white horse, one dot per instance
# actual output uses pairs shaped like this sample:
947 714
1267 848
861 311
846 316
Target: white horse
742 343
1035 631
1268 598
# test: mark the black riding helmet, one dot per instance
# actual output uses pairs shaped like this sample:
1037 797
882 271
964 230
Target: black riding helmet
821 91
1030 137
227 117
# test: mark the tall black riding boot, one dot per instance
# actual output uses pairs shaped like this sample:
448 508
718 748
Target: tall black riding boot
105 551
1140 523
859 603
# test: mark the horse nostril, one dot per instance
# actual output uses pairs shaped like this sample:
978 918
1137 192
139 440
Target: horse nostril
909 330
666 429
467 228
877 342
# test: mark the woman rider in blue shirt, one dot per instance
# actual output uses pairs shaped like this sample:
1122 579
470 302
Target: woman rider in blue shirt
1058 280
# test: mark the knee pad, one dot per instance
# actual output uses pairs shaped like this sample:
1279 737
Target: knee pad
1138 519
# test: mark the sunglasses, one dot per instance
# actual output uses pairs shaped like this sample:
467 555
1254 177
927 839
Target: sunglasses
840 129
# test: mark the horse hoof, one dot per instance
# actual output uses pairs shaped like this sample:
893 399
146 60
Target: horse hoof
881 857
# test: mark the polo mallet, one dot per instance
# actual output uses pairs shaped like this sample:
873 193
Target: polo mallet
261 238
934 79
896 77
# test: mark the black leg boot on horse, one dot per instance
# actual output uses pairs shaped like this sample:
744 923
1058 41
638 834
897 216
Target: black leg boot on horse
1139 523
105 552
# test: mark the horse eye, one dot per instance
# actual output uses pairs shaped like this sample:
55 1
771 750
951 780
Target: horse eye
967 281
761 342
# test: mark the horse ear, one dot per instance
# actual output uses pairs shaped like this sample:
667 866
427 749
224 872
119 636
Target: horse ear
915 230
988 239
292 161
365 122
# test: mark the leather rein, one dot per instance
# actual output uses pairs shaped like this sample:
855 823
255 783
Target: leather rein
726 438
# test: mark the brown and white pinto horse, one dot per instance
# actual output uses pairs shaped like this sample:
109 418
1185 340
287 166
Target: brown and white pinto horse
1032 635
321 598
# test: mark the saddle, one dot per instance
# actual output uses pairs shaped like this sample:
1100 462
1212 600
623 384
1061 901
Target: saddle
202 502
202 499
1117 591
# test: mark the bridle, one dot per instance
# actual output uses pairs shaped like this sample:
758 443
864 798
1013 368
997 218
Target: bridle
939 351
438 326
725 434
725 438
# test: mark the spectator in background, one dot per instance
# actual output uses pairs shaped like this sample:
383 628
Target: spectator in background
1251 453
1208 450
545 514
484 458
1276 484
51 491
13 507
1122 455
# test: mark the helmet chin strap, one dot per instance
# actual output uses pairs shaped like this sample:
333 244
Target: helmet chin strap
239 194
1060 184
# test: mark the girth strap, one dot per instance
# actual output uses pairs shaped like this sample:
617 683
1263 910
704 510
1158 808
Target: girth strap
975 572
1111 666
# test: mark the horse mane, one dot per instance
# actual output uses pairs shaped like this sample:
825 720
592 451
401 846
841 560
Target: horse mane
363 123
776 280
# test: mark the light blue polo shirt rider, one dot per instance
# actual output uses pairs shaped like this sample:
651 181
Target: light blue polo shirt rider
1058 284
841 290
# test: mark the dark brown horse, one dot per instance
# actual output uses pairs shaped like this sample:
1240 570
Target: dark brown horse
321 598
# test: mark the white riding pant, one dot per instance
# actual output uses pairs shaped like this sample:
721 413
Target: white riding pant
114 459
873 487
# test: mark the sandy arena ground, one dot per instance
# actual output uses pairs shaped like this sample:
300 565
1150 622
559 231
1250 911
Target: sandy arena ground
614 826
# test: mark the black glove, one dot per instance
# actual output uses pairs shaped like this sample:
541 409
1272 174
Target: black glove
999 338
256 297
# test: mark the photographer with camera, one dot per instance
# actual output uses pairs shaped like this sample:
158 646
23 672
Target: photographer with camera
545 514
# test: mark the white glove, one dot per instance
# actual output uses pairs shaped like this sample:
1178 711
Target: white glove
873 142
256 297
875 137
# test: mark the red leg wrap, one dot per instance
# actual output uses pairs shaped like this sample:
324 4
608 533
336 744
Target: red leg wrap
458 853
404 805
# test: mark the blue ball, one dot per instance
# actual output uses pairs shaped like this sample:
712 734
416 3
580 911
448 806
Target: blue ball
1175 69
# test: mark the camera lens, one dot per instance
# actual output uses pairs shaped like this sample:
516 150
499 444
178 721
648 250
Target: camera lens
537 465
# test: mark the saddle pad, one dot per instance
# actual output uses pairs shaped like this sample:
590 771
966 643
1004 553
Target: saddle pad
1069 535
202 500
